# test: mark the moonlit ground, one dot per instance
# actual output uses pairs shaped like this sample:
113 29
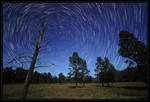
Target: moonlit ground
91 29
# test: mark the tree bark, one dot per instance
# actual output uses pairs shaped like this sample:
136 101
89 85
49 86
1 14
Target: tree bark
32 65
29 75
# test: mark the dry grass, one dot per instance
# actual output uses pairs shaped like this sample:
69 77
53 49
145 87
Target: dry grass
123 90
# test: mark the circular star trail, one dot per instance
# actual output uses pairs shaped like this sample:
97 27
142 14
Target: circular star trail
91 29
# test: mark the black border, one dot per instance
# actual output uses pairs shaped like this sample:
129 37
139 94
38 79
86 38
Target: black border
69 1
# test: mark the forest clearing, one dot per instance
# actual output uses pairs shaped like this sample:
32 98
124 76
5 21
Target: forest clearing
118 90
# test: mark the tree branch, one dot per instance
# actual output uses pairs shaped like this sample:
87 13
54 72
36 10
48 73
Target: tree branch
15 59
25 53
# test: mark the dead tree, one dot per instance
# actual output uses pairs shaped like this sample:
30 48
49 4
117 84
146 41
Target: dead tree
33 60
32 65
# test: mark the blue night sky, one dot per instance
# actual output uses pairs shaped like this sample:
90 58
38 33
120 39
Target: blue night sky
91 29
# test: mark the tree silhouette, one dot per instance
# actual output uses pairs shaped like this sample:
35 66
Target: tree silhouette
20 75
36 77
61 78
109 74
8 75
75 64
89 79
84 71
50 79
104 70
69 76
55 79
134 50
78 68
100 70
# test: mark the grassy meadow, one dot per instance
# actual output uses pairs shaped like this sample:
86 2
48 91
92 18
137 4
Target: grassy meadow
121 90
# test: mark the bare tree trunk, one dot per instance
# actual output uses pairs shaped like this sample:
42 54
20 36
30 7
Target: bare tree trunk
32 65
26 85
29 75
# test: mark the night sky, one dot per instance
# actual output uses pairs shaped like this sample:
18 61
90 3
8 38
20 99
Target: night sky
91 29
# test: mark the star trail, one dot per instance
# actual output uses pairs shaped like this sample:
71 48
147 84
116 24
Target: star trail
91 29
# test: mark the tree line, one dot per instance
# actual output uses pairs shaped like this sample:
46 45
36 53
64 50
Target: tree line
18 75
11 76
105 72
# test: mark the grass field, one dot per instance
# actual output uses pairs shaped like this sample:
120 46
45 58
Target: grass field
122 90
